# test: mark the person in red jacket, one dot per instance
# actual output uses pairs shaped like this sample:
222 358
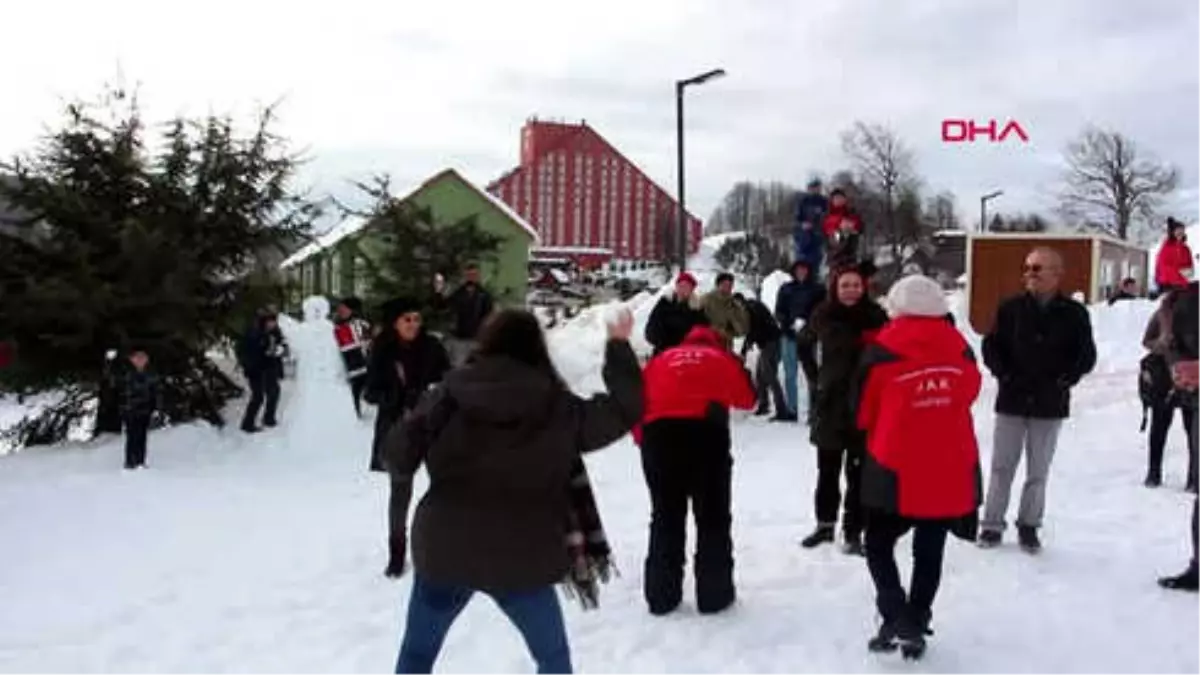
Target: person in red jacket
843 227
918 375
685 447
1173 268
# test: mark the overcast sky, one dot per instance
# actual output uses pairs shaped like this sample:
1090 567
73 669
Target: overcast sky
411 87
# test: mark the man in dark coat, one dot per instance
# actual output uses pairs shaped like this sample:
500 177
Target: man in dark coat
140 399
1186 351
807 235
793 306
1127 291
261 357
469 305
675 315
1039 347
766 336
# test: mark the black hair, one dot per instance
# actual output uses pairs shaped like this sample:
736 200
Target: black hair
723 277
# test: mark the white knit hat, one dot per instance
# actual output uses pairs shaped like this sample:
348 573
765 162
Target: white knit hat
917 295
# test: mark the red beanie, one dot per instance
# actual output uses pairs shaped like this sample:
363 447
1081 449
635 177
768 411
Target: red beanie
686 277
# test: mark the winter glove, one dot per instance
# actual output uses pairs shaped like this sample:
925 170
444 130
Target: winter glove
397 556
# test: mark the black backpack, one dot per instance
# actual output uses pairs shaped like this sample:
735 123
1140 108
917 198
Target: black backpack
1155 385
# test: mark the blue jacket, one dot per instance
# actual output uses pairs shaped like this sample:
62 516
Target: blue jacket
810 243
797 300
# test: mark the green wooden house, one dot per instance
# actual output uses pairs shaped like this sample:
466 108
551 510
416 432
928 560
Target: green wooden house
333 264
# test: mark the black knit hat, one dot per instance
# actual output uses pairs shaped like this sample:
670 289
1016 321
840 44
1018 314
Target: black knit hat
835 192
397 307
1173 225
353 304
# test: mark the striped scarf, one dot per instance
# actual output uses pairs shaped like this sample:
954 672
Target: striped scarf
587 545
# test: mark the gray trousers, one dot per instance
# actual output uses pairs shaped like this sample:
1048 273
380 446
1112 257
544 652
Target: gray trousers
1036 439
766 377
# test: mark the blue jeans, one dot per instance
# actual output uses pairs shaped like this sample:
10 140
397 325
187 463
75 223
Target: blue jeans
432 610
790 366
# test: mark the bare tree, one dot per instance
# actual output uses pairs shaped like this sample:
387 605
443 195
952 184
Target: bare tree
886 166
1107 181
941 212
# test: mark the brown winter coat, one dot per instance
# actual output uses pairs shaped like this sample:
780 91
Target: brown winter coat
498 439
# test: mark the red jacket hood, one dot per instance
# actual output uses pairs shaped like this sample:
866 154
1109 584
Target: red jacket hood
920 337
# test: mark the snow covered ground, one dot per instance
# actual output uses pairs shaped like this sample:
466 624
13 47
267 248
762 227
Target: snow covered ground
263 554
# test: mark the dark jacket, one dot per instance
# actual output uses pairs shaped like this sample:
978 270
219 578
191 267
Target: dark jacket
1184 319
763 329
469 305
261 352
1121 295
671 320
498 439
842 333
797 300
397 374
140 394
810 241
1038 353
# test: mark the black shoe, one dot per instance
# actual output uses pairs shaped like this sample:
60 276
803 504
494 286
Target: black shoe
270 424
990 538
822 535
1027 537
716 606
852 544
1153 480
762 411
1187 581
884 641
786 417
397 553
252 430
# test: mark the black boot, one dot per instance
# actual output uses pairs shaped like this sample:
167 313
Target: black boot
1027 537
762 411
396 555
852 544
822 535
1187 581
1153 479
785 416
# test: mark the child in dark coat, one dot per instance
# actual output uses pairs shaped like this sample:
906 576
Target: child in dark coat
139 401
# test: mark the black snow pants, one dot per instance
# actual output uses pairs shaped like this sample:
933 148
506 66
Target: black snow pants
928 545
1161 417
688 461
264 387
137 428
830 463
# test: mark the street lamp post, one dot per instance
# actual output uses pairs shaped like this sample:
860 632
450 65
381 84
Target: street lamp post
681 215
983 208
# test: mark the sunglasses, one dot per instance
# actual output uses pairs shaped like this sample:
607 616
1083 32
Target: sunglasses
1034 269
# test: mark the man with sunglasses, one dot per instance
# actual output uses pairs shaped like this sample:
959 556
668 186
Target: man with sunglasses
1040 346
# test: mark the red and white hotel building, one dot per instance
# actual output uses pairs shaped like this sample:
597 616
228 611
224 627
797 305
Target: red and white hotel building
582 194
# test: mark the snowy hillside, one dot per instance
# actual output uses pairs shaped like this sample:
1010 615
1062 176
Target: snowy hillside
256 554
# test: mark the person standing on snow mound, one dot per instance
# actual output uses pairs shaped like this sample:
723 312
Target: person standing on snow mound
405 362
794 305
469 305
918 374
1040 346
843 229
685 444
1174 267
807 233
841 326
353 335
1185 357
508 502
674 315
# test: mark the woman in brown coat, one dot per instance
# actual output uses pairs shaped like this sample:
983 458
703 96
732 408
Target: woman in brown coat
1157 341
499 438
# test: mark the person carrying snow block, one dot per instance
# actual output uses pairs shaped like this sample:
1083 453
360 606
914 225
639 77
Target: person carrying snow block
675 314
794 305
685 447
1185 325
841 327
1160 396
405 362
1040 346
353 334
139 402
508 511
918 374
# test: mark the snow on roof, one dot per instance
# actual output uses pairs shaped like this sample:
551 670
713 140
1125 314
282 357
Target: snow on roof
355 224
577 250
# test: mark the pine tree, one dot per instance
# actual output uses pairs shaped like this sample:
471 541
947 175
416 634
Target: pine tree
127 241
413 246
